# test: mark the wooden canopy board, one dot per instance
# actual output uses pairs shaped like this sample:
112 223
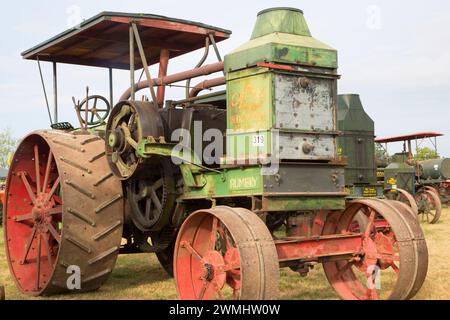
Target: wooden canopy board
103 41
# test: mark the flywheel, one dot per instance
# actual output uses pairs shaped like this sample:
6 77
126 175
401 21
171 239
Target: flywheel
63 214
129 123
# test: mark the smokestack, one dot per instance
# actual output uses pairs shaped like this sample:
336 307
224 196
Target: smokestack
284 20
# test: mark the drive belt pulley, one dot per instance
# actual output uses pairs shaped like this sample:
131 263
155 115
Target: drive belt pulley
129 123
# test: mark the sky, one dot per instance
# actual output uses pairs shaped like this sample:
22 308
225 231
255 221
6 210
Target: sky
395 54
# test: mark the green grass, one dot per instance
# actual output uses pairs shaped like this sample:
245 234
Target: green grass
139 276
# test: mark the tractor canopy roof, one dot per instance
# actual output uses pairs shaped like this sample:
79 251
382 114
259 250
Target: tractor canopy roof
408 137
103 40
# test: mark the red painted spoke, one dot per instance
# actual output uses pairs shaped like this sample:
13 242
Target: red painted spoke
57 199
38 262
232 266
52 191
47 250
23 217
391 257
54 233
27 186
201 294
27 248
213 238
47 171
394 266
370 223
55 210
192 251
36 167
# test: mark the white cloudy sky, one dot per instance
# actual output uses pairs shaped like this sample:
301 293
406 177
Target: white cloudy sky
395 54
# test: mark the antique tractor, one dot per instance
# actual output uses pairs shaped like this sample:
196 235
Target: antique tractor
357 144
420 184
156 178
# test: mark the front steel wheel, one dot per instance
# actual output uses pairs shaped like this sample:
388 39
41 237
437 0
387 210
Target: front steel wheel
225 253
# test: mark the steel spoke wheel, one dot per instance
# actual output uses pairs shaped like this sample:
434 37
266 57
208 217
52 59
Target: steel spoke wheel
402 196
63 208
433 189
392 265
430 206
225 253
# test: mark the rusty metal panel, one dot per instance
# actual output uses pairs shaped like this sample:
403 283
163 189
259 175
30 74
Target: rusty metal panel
304 146
300 178
249 100
303 103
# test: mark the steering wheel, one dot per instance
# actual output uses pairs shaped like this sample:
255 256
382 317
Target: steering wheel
96 115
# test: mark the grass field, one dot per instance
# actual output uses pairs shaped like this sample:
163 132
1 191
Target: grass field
139 276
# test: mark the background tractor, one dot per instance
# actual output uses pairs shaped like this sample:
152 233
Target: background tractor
427 180
143 176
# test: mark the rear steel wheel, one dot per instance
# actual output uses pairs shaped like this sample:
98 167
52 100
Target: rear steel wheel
391 266
430 206
422 250
225 252
435 190
402 196
63 208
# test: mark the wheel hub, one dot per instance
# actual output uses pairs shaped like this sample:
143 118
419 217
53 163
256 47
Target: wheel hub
40 211
213 264
208 272
369 255
116 140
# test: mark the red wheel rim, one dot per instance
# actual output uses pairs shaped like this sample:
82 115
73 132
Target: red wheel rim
207 262
33 216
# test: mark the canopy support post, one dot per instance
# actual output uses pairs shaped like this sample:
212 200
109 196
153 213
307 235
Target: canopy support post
45 91
55 93
111 93
144 64
133 95
163 65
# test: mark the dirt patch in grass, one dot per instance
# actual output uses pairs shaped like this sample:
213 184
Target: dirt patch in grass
140 276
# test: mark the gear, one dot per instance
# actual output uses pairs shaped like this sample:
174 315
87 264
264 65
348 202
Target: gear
152 199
